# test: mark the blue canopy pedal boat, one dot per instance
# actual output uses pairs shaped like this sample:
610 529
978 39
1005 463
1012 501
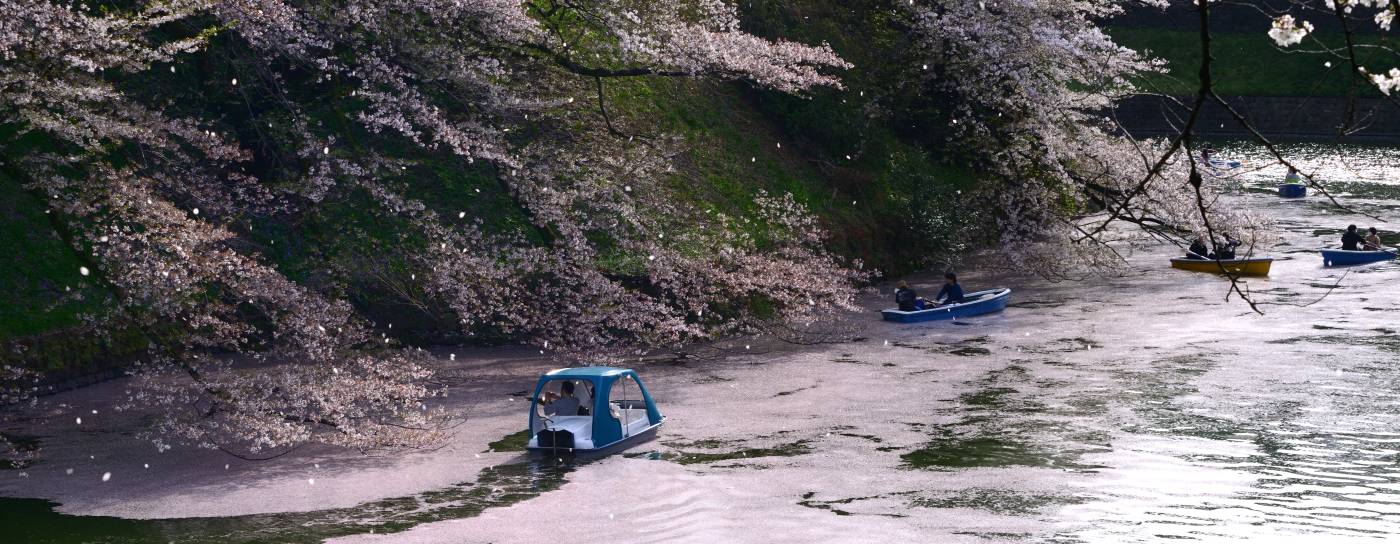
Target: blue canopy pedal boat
590 411
1292 190
1343 257
974 303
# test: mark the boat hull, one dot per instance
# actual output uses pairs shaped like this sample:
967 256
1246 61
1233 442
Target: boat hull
1239 267
645 435
984 302
1342 257
1292 190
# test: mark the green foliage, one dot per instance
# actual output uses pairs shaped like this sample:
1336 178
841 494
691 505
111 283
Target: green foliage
36 270
516 441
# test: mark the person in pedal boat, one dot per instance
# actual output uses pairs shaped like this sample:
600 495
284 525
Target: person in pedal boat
1351 240
905 297
1372 241
1198 249
1207 153
562 404
951 293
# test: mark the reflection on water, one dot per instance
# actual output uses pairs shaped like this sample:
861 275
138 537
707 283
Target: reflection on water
35 522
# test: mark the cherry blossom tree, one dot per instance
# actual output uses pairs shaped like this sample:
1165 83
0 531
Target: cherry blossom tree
156 199
1029 88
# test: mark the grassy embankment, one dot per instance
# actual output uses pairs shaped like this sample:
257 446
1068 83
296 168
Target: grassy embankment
1248 63
732 134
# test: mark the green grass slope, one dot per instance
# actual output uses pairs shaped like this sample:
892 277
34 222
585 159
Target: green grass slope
1248 63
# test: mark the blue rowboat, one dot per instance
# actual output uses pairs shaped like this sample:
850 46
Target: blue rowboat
975 303
1342 257
1292 190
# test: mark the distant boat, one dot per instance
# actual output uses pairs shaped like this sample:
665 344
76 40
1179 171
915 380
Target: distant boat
1343 257
1224 164
1238 267
610 410
975 303
1292 190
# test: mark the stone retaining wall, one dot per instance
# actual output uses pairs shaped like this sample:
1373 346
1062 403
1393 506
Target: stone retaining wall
1283 118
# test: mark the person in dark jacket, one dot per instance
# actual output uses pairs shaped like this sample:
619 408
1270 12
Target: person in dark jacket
951 293
905 297
1197 250
1351 240
1226 251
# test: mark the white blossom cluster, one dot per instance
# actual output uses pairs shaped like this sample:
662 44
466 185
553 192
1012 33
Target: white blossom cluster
1286 31
1387 82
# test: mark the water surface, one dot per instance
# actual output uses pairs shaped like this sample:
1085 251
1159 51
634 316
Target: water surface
1139 409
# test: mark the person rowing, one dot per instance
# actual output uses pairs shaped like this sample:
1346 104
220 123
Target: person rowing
951 293
1225 252
1293 176
1198 249
1351 240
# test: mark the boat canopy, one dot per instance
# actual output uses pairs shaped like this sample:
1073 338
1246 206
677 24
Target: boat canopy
613 406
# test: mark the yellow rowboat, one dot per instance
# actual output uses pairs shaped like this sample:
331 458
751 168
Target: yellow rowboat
1238 267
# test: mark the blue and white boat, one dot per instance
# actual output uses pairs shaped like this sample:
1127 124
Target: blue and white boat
1343 257
591 411
1224 164
975 303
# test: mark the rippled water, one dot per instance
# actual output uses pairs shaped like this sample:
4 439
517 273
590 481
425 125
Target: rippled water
1139 409
34 521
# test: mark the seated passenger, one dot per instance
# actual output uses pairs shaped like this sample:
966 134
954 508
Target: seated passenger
906 298
563 404
1351 240
951 293
1226 252
1292 176
1373 241
1197 250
